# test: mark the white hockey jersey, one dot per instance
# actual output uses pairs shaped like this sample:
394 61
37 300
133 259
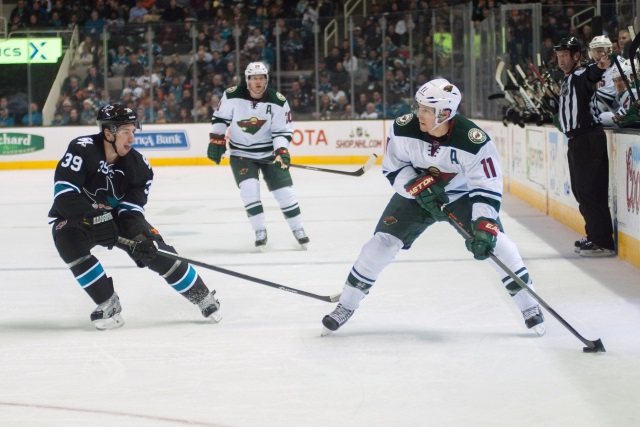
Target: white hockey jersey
605 96
468 161
256 128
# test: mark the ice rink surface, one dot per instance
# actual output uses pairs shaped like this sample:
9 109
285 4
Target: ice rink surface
436 343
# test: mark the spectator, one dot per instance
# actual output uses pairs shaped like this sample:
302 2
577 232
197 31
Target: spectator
5 119
74 118
34 115
335 93
184 116
94 24
333 58
624 40
120 61
370 112
94 77
132 89
179 66
20 11
135 68
88 115
137 13
173 12
340 77
57 120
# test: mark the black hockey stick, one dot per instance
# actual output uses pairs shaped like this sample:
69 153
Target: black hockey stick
369 163
591 346
633 48
331 298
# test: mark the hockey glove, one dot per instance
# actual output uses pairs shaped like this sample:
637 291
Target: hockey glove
429 192
283 159
145 248
102 227
217 147
483 242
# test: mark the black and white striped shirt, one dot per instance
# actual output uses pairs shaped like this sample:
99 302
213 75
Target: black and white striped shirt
577 89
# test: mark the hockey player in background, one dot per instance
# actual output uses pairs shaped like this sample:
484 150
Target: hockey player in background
101 186
604 98
259 122
627 113
436 158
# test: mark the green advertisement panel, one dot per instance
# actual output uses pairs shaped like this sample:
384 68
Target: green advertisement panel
34 51
20 143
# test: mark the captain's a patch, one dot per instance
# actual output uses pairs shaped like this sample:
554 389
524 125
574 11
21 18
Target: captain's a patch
477 136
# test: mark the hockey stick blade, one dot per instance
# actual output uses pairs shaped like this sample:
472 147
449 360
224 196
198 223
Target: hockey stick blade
591 346
330 298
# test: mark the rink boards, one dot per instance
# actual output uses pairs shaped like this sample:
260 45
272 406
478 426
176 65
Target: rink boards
534 160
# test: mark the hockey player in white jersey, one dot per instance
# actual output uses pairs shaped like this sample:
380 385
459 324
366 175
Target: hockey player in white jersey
260 129
435 157
604 98
625 114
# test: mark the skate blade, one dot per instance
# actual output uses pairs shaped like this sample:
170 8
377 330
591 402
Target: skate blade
113 322
539 329
303 246
325 332
262 248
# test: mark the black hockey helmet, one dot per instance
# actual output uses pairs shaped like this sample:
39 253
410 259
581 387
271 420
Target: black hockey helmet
571 44
116 115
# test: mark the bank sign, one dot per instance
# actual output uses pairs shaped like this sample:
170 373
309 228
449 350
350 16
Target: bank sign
19 143
34 51
161 140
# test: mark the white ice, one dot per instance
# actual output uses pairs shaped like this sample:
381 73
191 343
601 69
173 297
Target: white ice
436 343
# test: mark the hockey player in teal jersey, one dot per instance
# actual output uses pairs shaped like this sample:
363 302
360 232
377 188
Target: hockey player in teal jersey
260 127
435 158
101 186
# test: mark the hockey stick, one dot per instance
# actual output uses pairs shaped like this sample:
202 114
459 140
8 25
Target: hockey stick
369 163
331 298
591 346
633 49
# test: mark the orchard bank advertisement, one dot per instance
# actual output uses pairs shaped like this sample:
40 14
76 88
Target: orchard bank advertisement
20 143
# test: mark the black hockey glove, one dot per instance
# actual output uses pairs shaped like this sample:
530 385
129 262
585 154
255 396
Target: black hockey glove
102 227
483 242
217 147
283 159
145 248
430 194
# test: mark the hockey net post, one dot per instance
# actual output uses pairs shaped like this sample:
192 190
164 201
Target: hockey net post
329 298
591 346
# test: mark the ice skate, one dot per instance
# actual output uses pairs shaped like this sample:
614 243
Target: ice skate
261 240
533 319
210 307
107 314
578 244
301 237
591 250
335 319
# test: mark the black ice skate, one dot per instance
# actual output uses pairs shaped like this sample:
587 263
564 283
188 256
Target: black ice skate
301 237
107 314
261 240
533 319
591 250
210 307
578 244
335 319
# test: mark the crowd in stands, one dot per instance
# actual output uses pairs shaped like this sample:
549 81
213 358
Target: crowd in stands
169 82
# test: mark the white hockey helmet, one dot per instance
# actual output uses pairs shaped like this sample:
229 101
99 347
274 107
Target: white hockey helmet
626 69
256 69
600 41
441 95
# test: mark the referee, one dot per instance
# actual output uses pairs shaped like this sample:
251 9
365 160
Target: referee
588 158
